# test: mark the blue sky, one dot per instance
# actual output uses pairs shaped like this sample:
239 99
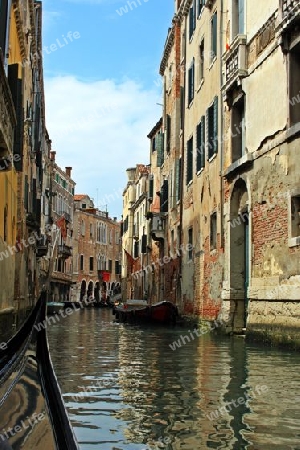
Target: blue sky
102 86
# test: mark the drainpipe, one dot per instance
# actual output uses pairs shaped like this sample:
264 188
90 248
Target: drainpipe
182 166
222 130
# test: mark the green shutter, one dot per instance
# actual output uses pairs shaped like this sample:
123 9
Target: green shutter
214 35
215 132
199 148
151 186
160 149
203 141
189 169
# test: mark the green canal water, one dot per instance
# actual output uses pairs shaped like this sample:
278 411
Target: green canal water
126 389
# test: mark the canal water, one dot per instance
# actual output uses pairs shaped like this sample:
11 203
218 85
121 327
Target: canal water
126 388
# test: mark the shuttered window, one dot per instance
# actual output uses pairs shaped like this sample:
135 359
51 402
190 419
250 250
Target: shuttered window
164 197
16 88
214 36
168 133
191 79
200 160
189 162
192 19
177 179
160 149
212 128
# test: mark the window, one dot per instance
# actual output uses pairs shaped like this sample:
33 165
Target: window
136 249
91 264
190 242
160 149
182 52
82 228
5 220
201 61
213 231
200 158
191 78
177 179
214 37
170 77
153 144
212 128
238 129
200 6
294 85
295 216
117 268
238 17
164 197
168 132
81 262
189 162
83 206
110 265
91 231
182 106
192 19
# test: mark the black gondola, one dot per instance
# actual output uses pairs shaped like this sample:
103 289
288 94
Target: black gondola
32 411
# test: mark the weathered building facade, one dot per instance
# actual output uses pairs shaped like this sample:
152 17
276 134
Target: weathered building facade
62 209
261 166
96 252
24 147
135 232
223 165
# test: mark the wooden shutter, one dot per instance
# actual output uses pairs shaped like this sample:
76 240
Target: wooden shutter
16 89
168 133
215 130
160 149
3 25
144 243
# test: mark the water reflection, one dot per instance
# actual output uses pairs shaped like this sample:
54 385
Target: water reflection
126 389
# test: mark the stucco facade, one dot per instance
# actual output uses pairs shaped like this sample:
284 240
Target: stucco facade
96 252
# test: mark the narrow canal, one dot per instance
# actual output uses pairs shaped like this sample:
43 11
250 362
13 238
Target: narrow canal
125 388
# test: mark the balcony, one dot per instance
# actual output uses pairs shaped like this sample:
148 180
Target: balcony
289 17
158 226
7 121
64 251
235 60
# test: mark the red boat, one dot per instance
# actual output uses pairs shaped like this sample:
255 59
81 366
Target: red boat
138 311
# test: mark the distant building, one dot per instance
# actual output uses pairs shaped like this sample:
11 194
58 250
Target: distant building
96 252
62 193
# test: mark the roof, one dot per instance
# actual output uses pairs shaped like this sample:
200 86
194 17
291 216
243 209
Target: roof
79 197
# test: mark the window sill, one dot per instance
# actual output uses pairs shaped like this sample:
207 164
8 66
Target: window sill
212 157
213 62
200 171
238 165
189 184
190 104
200 85
294 241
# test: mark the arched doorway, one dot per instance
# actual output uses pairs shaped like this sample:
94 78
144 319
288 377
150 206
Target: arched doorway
97 292
82 290
239 255
90 290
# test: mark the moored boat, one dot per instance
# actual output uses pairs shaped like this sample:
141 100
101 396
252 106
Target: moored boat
54 307
139 311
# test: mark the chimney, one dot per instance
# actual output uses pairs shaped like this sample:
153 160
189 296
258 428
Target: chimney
115 219
52 155
68 171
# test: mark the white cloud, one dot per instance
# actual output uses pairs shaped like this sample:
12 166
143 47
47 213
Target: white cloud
100 129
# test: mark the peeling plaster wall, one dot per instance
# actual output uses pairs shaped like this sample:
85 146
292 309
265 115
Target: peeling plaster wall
267 88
